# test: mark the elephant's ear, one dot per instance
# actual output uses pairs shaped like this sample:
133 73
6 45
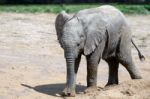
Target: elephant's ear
59 23
93 39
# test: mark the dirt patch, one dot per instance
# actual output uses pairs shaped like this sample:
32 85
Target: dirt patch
32 65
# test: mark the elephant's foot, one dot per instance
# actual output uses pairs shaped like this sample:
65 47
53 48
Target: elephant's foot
111 83
68 92
136 76
91 89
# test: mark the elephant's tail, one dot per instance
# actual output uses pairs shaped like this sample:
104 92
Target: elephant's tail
142 58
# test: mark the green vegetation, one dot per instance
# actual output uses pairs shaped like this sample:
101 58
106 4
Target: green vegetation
72 8
134 9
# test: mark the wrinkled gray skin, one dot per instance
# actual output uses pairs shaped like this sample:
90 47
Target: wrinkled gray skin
98 33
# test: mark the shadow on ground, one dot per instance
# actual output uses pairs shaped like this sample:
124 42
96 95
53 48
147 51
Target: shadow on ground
53 89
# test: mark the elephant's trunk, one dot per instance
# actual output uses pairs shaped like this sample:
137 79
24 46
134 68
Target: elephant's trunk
70 61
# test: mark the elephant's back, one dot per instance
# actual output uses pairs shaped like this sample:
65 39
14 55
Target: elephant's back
102 10
111 13
109 9
106 13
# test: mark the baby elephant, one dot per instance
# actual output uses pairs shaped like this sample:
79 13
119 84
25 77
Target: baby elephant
97 33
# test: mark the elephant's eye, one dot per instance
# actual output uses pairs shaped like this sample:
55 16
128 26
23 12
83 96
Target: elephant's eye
78 44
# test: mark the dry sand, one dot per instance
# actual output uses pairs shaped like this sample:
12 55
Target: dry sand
32 65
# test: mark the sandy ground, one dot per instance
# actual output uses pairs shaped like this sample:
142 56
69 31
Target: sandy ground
32 65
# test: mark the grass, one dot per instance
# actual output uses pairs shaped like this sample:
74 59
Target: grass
72 8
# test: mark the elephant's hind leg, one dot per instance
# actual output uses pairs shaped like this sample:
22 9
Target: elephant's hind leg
113 71
125 58
130 66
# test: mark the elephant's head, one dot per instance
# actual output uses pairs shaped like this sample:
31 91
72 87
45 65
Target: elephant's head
76 35
70 34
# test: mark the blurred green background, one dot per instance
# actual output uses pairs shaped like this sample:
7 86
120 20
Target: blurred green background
72 6
69 1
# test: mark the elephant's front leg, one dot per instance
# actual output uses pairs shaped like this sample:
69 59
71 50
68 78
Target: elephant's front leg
92 67
77 62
